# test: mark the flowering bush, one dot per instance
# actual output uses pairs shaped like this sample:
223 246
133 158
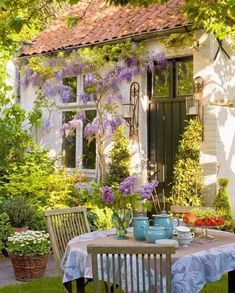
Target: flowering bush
29 243
118 196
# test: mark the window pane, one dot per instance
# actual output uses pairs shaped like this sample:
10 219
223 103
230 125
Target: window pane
184 78
71 82
89 149
161 82
69 142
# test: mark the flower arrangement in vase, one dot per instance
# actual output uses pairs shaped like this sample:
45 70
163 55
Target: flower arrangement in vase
123 199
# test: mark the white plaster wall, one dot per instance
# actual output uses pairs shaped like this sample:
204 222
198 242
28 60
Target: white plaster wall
217 146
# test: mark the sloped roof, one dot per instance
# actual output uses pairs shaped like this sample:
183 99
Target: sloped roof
101 22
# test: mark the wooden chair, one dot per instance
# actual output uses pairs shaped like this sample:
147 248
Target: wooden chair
178 209
131 267
63 225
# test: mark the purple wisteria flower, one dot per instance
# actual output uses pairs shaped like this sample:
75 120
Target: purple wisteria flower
65 94
146 191
46 126
127 186
107 195
90 79
91 129
111 123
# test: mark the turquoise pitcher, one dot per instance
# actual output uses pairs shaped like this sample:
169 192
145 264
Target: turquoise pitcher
141 226
164 220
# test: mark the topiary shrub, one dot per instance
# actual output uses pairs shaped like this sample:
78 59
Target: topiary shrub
120 158
187 178
222 203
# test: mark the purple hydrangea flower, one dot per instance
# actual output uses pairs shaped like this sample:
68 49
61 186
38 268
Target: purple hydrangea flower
127 186
107 195
84 186
146 191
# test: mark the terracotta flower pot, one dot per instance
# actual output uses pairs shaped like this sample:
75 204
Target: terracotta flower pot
20 229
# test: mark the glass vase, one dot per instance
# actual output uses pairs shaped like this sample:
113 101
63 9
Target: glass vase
121 220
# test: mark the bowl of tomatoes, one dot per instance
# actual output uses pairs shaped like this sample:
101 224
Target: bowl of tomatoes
203 218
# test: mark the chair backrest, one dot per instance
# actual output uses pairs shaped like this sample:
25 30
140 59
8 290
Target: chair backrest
178 209
63 225
133 268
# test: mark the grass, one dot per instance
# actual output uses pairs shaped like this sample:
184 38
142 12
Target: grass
54 285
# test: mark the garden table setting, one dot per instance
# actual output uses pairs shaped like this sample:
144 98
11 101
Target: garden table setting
192 266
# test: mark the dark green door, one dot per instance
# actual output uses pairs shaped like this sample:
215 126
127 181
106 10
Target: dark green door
168 87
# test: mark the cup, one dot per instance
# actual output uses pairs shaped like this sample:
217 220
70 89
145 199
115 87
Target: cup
183 231
185 240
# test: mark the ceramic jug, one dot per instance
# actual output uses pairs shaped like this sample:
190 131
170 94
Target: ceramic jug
164 220
141 226
156 232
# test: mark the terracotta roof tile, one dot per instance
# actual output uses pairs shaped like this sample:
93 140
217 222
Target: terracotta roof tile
102 22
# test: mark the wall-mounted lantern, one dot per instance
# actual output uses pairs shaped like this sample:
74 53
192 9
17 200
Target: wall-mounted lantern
131 109
193 104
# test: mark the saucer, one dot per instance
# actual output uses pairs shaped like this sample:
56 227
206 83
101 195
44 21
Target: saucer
171 242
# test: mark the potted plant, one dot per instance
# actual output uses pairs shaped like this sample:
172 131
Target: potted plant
20 212
28 252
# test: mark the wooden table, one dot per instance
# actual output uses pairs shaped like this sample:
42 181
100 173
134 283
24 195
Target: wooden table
221 251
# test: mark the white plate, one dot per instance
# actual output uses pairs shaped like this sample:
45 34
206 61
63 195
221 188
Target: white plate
167 242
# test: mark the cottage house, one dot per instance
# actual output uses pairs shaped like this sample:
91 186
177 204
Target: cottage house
162 104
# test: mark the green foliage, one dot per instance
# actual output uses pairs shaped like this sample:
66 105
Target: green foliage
120 158
20 212
38 181
29 179
14 139
29 243
187 177
5 230
100 219
222 203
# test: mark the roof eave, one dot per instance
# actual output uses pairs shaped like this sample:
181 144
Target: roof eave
134 37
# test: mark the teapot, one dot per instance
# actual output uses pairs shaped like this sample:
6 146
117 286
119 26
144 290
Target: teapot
164 220
156 232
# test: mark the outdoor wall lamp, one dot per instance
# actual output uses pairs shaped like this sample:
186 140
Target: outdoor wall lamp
131 109
193 104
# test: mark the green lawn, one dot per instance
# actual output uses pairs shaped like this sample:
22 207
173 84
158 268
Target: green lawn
53 285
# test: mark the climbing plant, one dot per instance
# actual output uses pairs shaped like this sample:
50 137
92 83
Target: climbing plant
104 69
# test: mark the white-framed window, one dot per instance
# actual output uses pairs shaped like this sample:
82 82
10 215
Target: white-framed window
78 152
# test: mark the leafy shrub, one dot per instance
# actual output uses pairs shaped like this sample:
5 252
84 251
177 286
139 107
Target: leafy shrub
222 203
20 212
37 180
29 243
5 230
187 177
120 158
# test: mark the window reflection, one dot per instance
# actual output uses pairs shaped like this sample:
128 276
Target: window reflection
161 82
184 78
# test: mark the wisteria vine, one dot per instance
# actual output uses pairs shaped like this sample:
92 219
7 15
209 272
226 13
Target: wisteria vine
104 69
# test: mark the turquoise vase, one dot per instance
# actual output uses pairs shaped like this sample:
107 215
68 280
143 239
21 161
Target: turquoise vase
141 226
121 220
